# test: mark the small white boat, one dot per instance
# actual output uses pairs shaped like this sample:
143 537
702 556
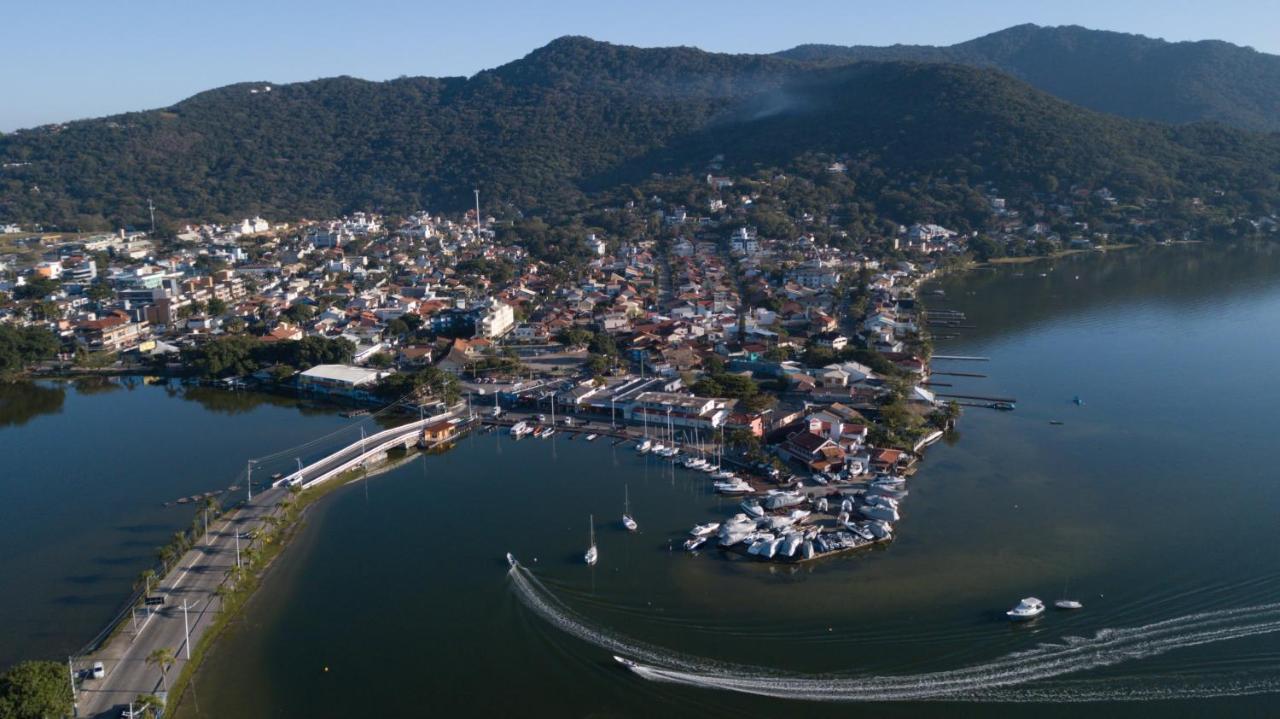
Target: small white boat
548 432
644 446
693 543
592 554
1028 608
723 474
1068 604
703 530
625 662
807 549
737 486
592 437
753 509
511 561
518 429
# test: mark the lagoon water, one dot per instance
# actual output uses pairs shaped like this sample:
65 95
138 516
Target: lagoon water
1155 503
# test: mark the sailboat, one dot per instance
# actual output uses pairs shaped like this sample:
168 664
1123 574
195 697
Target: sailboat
627 521
645 445
592 553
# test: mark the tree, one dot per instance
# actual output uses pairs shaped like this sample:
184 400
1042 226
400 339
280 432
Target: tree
216 307
148 705
22 346
299 312
100 292
162 658
381 360
145 580
35 690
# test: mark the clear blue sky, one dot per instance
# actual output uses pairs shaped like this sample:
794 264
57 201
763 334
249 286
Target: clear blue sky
69 59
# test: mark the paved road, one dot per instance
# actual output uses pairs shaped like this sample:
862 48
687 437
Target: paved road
195 580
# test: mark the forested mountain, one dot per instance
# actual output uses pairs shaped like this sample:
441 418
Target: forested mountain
580 116
1124 74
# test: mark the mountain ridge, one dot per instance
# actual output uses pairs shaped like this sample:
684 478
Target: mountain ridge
1120 73
580 116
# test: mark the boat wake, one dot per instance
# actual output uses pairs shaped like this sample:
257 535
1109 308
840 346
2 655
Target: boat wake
1034 675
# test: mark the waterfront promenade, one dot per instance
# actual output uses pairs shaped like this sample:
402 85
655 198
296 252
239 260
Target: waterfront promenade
195 580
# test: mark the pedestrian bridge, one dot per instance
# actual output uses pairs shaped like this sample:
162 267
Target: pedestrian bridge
356 453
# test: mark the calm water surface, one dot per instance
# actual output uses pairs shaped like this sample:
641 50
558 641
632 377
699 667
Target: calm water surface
1154 501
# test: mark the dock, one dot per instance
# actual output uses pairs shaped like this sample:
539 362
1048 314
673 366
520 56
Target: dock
961 358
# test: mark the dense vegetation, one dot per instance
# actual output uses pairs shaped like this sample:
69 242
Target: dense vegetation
1119 73
578 117
238 355
35 690
23 346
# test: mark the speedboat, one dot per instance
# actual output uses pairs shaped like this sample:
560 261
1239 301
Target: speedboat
753 509
1028 608
702 530
518 429
625 662
511 561
1068 604
592 554
644 446
592 437
693 543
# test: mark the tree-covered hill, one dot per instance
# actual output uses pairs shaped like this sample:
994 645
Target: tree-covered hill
579 115
1119 73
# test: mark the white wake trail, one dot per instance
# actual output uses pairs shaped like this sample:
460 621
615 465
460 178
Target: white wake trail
987 681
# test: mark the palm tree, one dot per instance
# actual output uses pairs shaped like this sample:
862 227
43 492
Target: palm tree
145 579
162 658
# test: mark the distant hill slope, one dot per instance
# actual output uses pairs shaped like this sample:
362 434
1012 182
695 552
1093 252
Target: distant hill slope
1127 75
579 115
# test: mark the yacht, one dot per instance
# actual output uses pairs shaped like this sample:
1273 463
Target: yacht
627 521
592 553
736 486
1068 604
1028 608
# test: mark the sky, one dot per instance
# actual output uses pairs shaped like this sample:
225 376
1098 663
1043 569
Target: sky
71 59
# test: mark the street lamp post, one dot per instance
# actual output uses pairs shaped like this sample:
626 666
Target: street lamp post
186 632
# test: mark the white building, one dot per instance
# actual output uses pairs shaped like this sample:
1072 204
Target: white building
496 321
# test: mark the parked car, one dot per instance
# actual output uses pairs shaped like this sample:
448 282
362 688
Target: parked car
99 671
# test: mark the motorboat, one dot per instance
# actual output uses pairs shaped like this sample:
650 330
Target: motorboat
519 429
735 487
592 554
592 437
1027 609
627 520
875 511
548 432
511 561
791 543
806 549
644 446
625 662
753 509
881 500
880 529
1068 604
693 543
723 474
770 549
703 530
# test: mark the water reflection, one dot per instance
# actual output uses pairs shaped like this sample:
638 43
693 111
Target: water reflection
20 402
